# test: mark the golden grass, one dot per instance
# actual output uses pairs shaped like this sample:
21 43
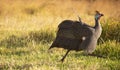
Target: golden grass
61 6
33 15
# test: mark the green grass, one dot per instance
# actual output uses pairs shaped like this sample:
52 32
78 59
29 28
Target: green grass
30 52
37 57
111 30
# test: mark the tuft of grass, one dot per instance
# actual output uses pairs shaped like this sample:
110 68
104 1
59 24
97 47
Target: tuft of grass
109 49
42 36
14 41
111 31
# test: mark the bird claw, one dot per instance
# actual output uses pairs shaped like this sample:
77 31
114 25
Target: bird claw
62 60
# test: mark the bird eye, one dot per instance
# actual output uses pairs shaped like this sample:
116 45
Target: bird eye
102 14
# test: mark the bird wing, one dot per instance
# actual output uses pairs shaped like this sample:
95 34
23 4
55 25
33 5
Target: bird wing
65 24
83 30
74 29
72 35
86 34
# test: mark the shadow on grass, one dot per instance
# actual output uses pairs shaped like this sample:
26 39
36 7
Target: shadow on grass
15 52
22 41
18 67
93 55
14 41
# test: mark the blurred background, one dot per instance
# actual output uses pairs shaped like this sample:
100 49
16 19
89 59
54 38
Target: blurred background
59 7
34 13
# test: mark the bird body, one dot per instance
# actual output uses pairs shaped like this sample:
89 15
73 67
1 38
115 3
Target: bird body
76 35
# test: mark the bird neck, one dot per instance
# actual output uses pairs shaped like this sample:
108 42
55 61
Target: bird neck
98 29
96 23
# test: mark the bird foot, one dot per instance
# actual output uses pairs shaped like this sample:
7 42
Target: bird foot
62 60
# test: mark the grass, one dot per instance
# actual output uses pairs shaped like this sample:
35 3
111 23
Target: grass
30 51
27 32
36 56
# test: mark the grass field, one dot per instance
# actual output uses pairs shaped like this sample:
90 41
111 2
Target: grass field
27 29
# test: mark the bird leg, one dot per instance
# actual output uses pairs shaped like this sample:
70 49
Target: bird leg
50 48
65 55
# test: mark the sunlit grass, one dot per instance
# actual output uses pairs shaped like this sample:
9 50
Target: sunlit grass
37 57
27 29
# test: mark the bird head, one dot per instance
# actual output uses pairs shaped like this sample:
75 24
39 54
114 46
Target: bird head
98 15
